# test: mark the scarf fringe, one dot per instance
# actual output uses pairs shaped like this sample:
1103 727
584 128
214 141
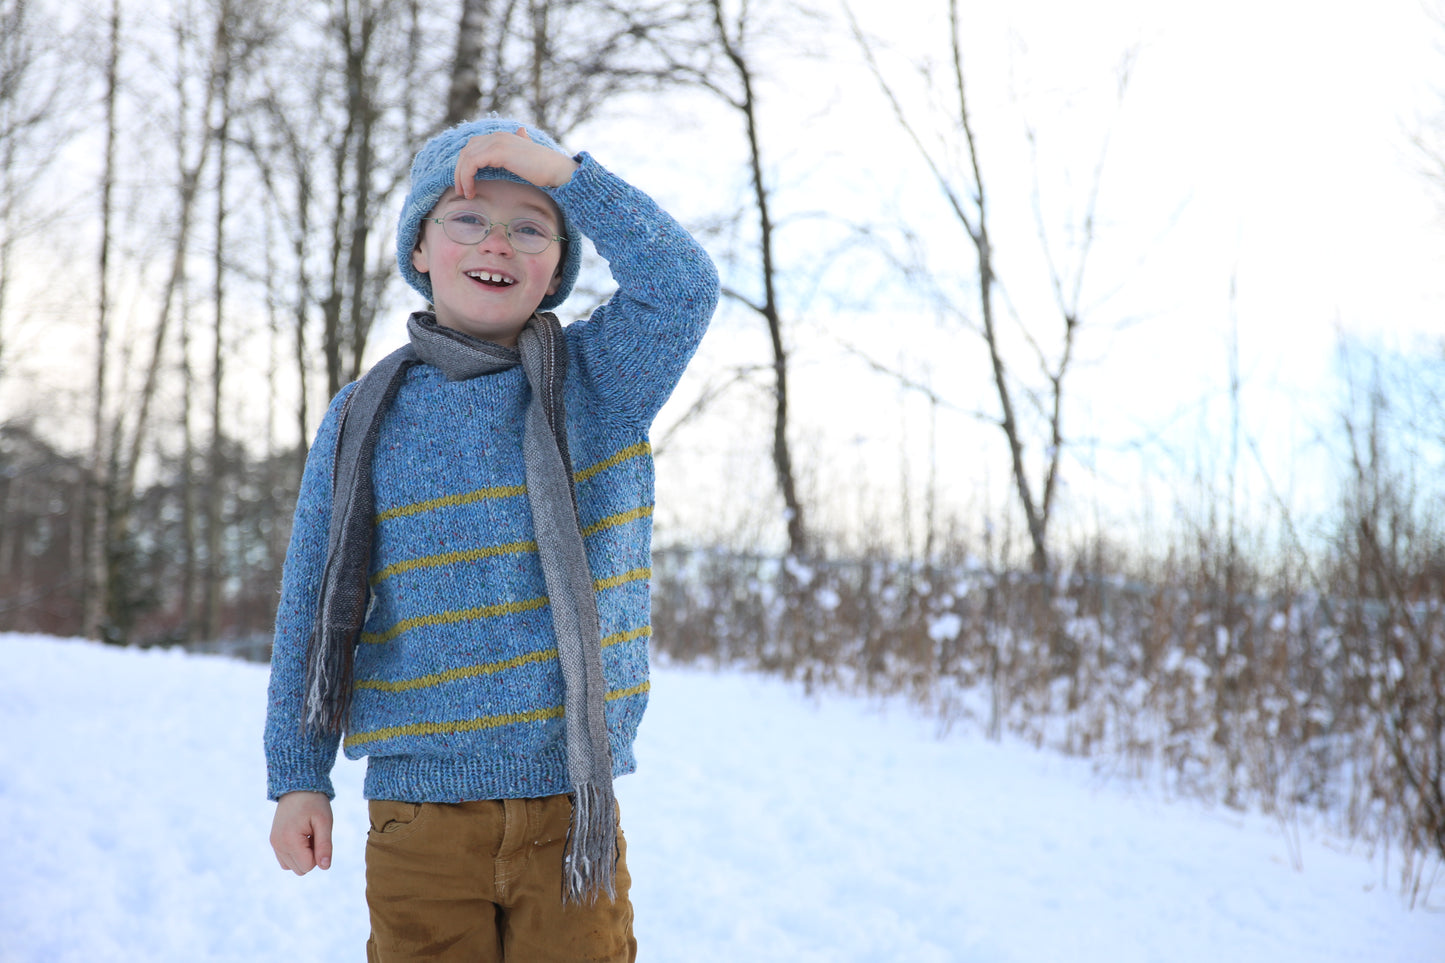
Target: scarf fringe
589 863
330 663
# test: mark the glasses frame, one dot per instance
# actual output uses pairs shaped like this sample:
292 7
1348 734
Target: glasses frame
492 225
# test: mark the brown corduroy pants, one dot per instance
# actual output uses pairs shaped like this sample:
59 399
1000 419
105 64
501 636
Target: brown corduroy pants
482 882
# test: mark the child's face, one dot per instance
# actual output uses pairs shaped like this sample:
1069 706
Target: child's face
489 290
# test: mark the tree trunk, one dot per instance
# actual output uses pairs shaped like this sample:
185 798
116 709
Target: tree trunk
211 600
123 489
465 94
100 495
192 574
781 451
347 309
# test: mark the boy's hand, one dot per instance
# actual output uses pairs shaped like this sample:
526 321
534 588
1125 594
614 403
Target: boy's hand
301 832
517 153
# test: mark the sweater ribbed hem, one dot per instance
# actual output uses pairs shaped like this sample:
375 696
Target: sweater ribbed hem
443 779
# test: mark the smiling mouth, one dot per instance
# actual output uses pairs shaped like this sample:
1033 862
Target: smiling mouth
491 279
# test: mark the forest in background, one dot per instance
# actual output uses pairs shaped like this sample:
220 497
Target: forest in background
229 262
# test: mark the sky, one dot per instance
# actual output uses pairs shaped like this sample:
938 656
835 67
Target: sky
1260 193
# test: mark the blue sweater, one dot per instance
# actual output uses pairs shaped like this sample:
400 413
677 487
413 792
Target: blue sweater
458 692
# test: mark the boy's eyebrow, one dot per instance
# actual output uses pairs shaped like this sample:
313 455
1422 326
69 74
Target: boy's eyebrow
474 204
534 206
550 219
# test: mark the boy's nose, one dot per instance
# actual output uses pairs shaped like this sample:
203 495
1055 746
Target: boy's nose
496 240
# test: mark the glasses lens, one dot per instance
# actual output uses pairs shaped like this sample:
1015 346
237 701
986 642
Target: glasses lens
529 236
466 227
525 234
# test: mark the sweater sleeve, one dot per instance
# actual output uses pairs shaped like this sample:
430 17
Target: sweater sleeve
634 348
297 761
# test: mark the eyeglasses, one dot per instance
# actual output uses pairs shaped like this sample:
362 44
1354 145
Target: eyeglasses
471 227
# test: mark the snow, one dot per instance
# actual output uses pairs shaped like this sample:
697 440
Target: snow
762 825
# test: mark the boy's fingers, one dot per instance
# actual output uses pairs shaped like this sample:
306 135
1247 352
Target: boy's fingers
321 845
294 852
298 858
468 162
284 855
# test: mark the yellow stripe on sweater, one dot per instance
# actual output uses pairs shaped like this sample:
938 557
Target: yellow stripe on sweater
450 618
629 692
451 558
494 551
475 725
455 675
631 451
493 611
636 575
510 491
451 501
617 638
489 668
463 725
612 521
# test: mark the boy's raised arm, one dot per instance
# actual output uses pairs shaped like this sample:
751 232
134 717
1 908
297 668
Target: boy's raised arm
636 346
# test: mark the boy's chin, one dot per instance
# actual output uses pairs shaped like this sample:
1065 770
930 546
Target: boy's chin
498 333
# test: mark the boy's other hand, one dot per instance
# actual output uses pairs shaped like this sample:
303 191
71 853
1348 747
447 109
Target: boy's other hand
301 832
517 153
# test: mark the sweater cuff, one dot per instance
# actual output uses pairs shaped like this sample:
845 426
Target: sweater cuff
290 775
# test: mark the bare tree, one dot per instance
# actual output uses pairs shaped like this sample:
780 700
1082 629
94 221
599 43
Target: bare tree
246 28
348 313
280 159
560 62
211 597
1030 408
723 64
734 39
35 97
194 140
327 129
97 513
465 93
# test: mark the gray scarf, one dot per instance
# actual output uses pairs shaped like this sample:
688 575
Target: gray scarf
591 854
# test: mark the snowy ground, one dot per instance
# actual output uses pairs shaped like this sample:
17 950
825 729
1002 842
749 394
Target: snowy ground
761 826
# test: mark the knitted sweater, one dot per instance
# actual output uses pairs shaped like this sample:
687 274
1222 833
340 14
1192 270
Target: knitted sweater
458 692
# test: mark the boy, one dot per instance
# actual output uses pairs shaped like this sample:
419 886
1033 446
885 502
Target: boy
466 588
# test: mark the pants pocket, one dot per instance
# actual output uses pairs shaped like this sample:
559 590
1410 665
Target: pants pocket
392 819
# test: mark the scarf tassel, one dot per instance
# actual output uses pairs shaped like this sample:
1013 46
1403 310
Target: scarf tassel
589 862
329 667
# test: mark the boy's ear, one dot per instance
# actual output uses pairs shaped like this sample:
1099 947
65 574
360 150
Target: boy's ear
551 288
418 257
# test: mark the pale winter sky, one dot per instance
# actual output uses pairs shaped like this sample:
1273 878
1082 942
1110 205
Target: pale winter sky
1263 148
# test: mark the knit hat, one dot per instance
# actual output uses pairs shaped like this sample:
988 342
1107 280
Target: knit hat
434 170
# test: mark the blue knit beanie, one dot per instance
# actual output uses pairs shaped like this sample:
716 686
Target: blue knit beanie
434 170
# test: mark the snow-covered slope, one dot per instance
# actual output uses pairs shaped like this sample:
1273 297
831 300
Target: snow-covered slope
761 826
